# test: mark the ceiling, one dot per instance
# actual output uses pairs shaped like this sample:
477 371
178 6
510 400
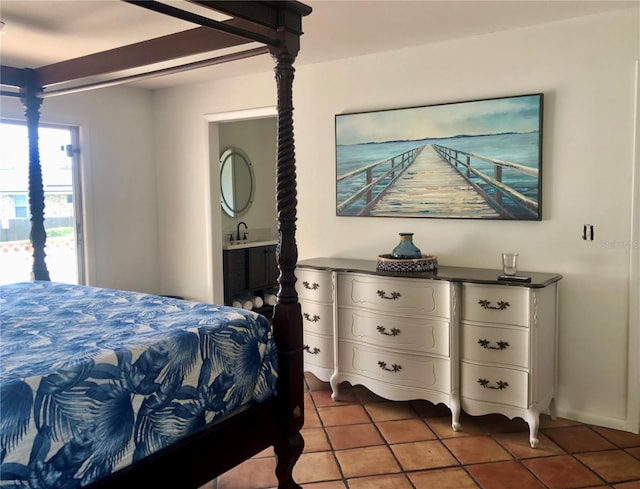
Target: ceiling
41 32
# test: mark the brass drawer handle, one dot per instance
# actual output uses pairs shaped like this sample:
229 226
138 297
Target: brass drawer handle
394 368
500 385
313 319
308 349
394 295
502 305
501 345
382 330
313 286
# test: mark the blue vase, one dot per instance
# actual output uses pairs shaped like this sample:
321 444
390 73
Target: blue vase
406 249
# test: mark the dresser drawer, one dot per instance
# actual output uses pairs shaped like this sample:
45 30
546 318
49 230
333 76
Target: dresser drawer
317 317
318 350
390 295
412 334
494 384
314 285
495 304
414 371
506 346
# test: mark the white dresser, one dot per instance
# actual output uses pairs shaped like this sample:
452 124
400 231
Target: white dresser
394 335
458 337
315 292
508 351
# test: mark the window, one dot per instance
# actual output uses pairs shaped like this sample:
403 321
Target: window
63 204
20 206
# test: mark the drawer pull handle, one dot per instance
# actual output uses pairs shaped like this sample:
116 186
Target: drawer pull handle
486 344
394 295
502 305
394 368
383 330
313 319
313 286
308 349
500 385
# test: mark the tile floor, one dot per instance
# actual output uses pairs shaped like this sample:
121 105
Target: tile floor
366 442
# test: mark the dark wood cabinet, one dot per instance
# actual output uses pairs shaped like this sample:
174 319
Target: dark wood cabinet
263 270
250 272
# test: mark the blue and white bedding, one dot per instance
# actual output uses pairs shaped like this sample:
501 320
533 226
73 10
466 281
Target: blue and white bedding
95 379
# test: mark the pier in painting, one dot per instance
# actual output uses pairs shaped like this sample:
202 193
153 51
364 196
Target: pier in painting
437 181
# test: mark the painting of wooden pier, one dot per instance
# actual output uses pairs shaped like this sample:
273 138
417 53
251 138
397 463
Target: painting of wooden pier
467 160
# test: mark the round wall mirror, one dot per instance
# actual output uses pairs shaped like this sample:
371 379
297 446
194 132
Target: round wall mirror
236 182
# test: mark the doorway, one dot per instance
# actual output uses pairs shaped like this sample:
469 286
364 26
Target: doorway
59 159
221 223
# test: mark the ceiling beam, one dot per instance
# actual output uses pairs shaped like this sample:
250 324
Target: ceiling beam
10 76
266 13
165 48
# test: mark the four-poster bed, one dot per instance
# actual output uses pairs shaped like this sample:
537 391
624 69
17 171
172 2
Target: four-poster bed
273 414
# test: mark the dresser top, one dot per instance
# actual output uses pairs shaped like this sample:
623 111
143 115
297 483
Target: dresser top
451 274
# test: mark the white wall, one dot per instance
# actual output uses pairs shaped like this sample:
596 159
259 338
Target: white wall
118 181
585 68
191 230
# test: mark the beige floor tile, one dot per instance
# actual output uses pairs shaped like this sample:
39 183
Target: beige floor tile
562 472
452 478
322 398
392 481
416 437
634 451
326 485
343 415
518 445
547 422
612 465
354 436
624 485
423 455
389 410
441 426
360 462
311 419
405 430
575 439
623 439
315 440
255 473
476 449
503 475
316 467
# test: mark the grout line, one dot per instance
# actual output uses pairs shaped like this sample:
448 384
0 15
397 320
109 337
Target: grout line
359 399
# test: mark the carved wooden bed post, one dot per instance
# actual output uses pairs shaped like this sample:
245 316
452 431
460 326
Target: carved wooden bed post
38 236
287 317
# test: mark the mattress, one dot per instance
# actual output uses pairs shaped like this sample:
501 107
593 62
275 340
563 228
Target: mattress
95 379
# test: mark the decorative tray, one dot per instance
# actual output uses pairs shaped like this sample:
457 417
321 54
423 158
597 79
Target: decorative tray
388 263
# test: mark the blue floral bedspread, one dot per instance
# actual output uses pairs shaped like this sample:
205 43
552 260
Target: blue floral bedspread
94 379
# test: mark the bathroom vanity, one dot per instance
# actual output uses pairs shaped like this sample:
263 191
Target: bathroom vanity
249 270
456 336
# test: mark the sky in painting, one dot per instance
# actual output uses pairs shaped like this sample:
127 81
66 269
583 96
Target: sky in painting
514 114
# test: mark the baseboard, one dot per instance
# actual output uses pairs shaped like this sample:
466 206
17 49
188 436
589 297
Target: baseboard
592 419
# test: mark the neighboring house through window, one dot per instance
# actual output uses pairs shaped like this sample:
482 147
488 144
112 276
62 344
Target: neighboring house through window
20 206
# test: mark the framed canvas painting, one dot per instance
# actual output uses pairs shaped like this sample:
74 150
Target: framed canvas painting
479 159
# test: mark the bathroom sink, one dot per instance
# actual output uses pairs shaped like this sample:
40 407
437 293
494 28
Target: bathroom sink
234 245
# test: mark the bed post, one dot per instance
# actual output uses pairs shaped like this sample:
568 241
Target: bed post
38 236
287 316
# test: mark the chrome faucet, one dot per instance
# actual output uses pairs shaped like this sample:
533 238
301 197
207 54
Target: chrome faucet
238 230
